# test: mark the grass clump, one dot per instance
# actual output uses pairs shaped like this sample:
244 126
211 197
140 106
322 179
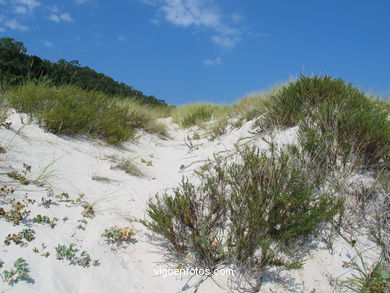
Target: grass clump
335 119
251 214
216 119
367 279
129 166
146 116
196 114
68 109
4 113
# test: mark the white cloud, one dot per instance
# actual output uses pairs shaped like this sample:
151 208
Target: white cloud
212 62
48 43
20 10
121 38
199 14
2 29
190 12
226 41
61 17
81 1
54 17
66 17
15 25
25 6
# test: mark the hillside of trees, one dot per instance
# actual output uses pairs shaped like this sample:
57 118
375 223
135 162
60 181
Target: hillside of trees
16 66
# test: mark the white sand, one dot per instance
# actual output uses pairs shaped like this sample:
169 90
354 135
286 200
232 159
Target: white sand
68 164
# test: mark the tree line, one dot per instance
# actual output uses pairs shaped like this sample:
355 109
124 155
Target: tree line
16 66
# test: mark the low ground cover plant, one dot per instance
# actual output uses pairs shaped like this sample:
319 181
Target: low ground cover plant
25 234
118 235
52 222
19 272
16 214
71 253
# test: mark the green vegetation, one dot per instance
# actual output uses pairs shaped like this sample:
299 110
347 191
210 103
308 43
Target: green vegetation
69 99
250 214
45 220
26 234
253 212
19 272
216 119
4 112
16 66
68 109
70 253
64 252
374 279
16 214
147 115
196 114
129 166
118 235
335 119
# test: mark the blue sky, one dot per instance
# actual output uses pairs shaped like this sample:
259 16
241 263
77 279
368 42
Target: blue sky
185 51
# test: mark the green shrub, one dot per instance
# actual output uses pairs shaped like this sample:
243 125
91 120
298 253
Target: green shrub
299 100
334 116
249 214
70 110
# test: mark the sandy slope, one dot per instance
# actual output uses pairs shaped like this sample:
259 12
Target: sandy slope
80 166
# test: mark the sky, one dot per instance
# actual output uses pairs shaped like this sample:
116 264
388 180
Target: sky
186 51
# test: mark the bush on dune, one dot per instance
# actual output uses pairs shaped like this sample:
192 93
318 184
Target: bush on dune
250 214
333 113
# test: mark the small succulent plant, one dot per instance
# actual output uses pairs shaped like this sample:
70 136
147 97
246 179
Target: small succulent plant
19 272
116 234
45 220
27 234
64 252
70 253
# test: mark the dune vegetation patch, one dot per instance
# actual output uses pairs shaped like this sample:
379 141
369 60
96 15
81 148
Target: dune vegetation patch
216 119
67 109
196 114
147 115
334 118
259 210
250 214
